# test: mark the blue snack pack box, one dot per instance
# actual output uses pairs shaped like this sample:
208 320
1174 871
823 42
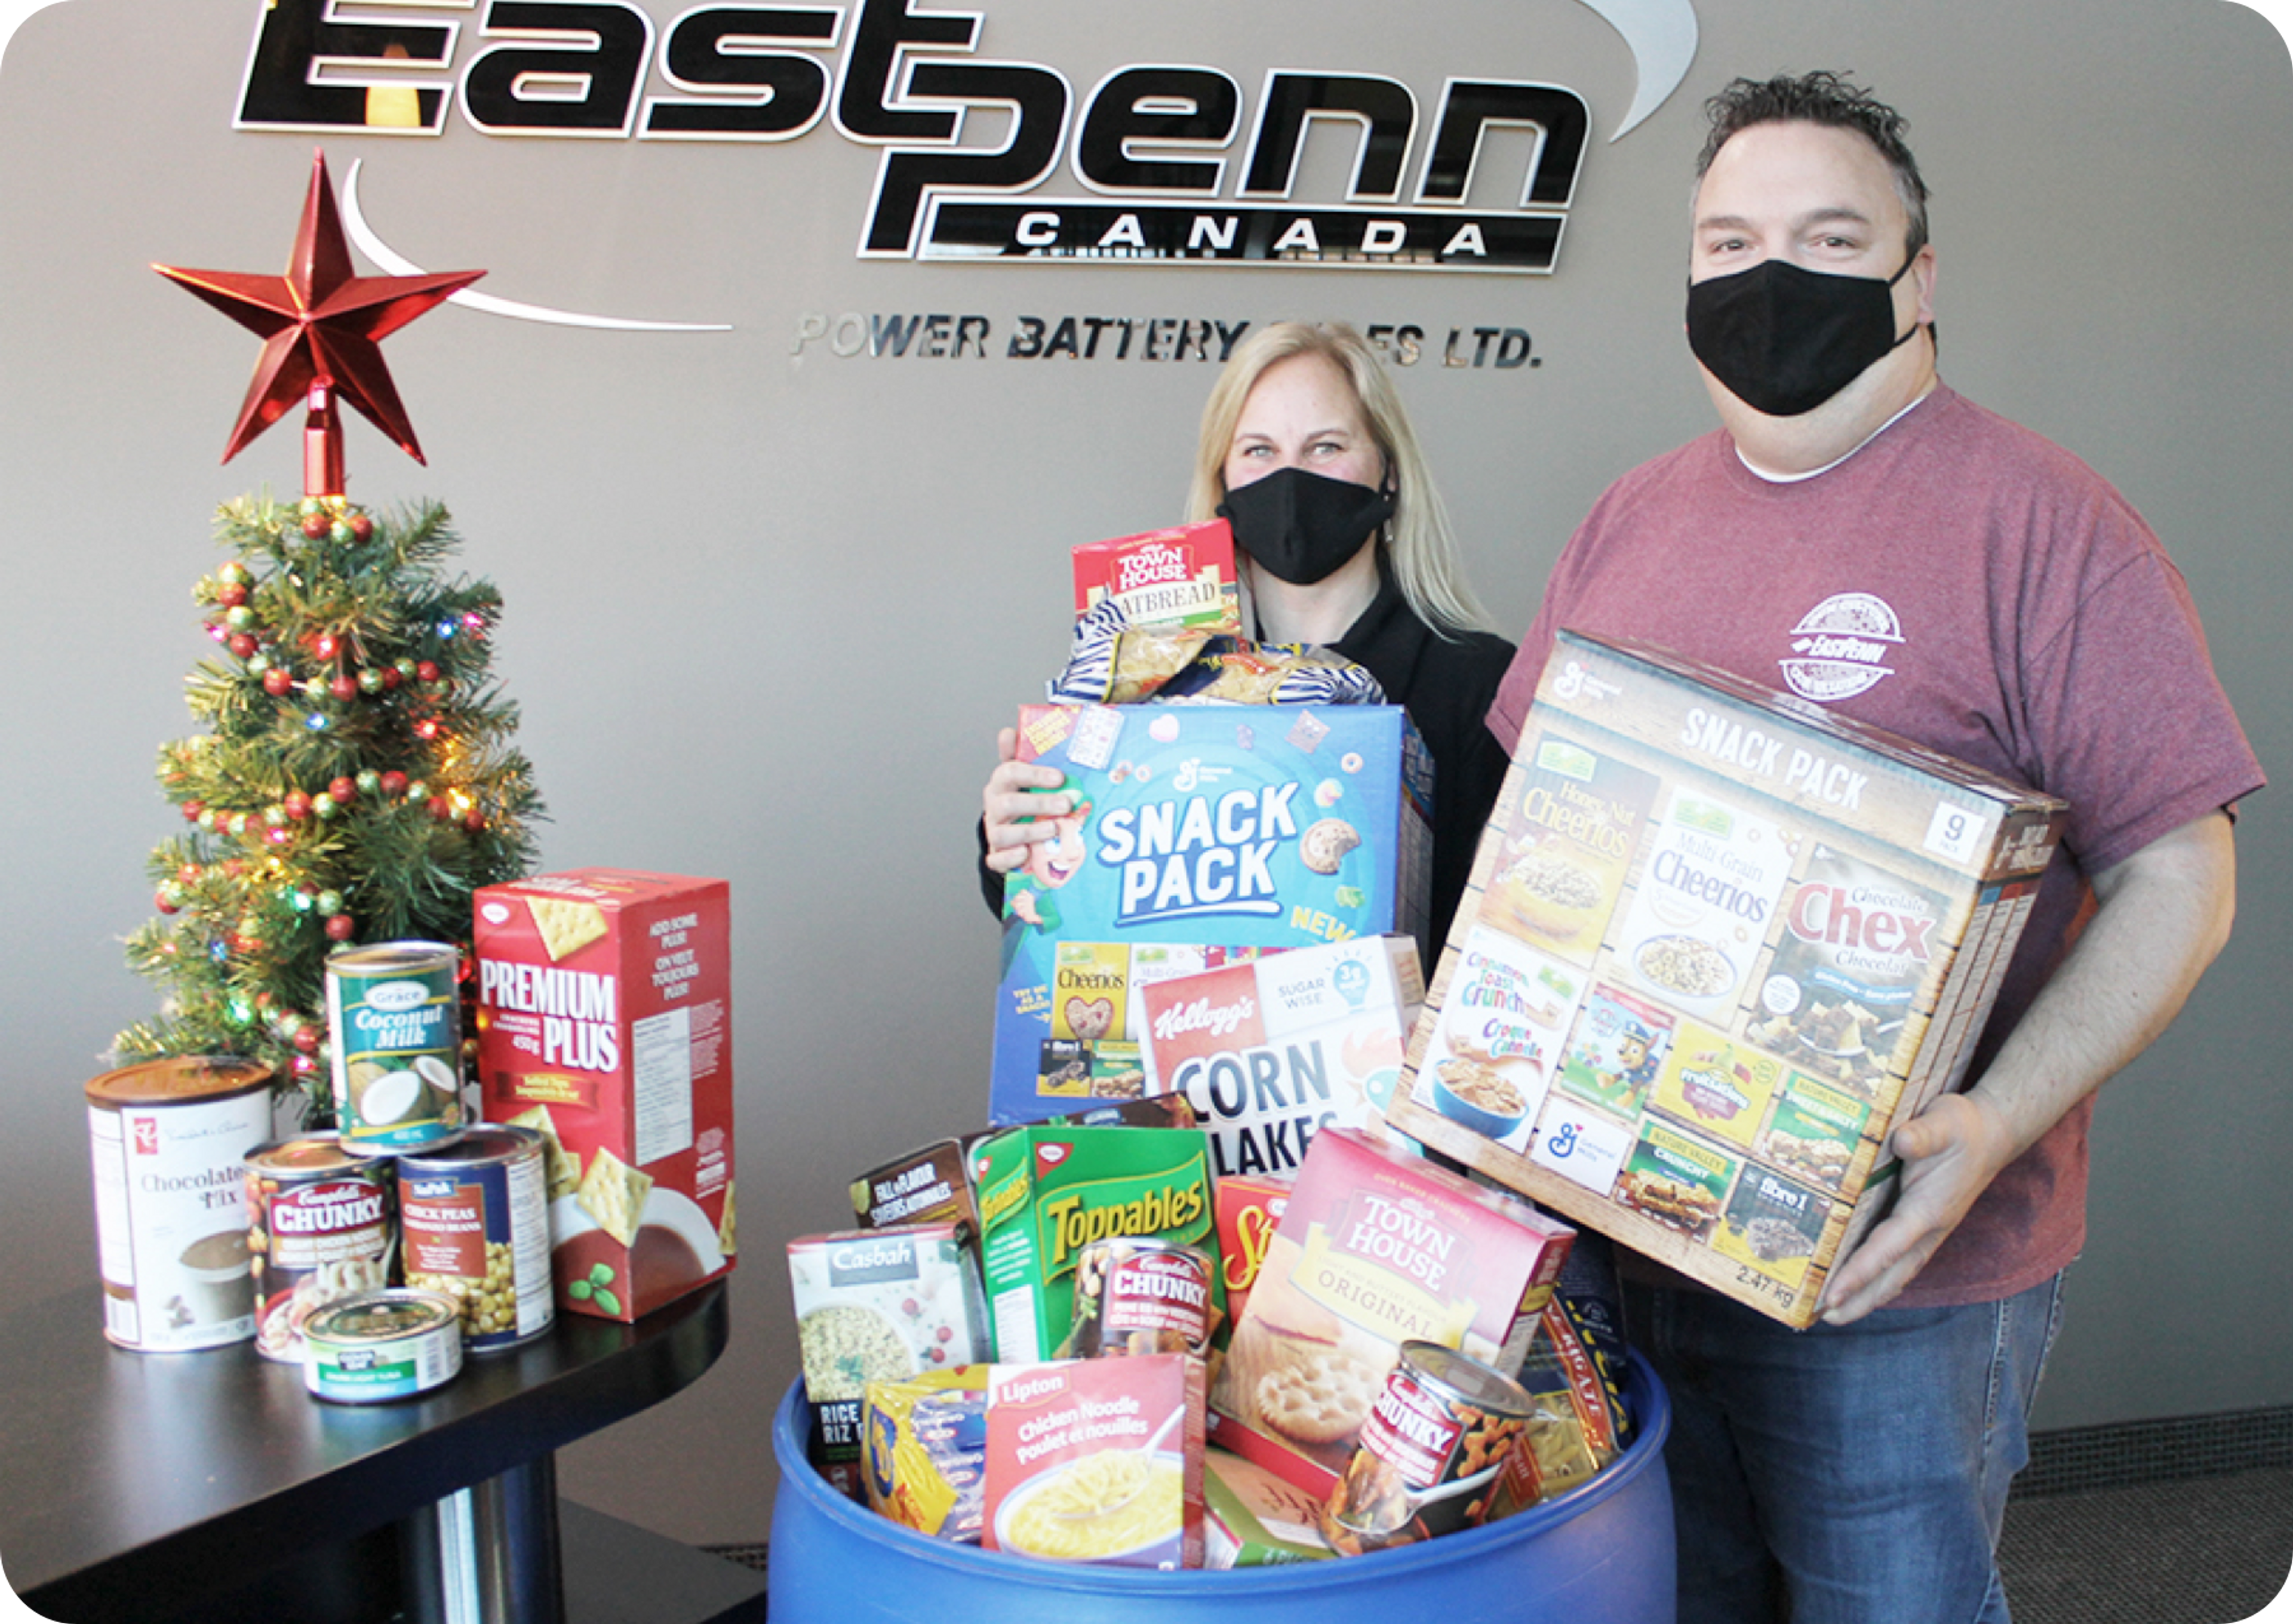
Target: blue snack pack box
1248 827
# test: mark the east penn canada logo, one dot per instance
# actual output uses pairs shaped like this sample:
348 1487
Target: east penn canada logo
1174 163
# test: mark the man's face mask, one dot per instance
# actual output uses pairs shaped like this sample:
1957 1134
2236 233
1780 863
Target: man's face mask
1784 340
1301 527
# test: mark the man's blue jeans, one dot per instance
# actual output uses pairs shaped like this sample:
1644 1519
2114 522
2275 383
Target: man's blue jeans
1852 1475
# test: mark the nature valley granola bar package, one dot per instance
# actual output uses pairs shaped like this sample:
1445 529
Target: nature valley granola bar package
1783 933
1046 1190
606 1023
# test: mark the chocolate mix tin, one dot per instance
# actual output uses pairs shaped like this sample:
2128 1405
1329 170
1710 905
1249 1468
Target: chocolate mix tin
321 1224
473 1218
166 1139
394 1013
379 1345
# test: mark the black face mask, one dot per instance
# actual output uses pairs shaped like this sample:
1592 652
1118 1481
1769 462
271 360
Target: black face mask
1301 527
1784 339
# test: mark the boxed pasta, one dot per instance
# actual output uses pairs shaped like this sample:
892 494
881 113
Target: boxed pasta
1046 1191
1270 1054
927 1451
879 1305
1180 577
604 1023
1097 1460
1375 1248
1717 942
1250 826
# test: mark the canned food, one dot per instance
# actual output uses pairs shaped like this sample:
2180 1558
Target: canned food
394 1013
1139 1294
321 1225
379 1345
1430 1454
168 1138
475 1216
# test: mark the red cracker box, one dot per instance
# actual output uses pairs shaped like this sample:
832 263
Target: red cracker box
1097 1460
1374 1249
1270 1054
1182 577
605 1022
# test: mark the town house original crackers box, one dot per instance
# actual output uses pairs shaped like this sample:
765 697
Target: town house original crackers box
1717 942
1249 827
605 1021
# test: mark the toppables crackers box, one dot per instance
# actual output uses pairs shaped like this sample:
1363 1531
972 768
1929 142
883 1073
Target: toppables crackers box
1048 1190
1097 1460
1271 1053
1375 1248
1182 577
1250 827
1717 942
605 1022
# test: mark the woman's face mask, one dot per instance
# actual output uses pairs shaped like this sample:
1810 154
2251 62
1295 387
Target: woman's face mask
1302 527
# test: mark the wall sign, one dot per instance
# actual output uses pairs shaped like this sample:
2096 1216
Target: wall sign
1163 164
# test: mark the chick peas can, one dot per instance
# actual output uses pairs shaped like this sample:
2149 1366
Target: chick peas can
473 1216
394 1013
1432 1452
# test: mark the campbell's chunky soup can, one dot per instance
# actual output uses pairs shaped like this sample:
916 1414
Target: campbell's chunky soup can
1139 1294
394 1013
167 1138
321 1224
1430 1454
473 1216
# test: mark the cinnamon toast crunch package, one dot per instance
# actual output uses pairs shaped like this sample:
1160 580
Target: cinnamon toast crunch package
605 1022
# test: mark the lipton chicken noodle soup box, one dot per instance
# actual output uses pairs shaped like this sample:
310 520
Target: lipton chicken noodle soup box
605 1022
1717 942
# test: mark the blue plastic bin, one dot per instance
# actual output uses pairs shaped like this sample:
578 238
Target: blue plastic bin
1602 1554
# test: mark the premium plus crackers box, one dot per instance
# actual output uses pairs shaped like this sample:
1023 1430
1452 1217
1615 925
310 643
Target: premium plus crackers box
1250 827
1046 1190
1717 942
1374 1249
605 1022
1270 1054
1180 577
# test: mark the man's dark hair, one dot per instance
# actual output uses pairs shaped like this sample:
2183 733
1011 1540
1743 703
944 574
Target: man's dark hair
1825 98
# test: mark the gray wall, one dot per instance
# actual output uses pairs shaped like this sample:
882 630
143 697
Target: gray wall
766 609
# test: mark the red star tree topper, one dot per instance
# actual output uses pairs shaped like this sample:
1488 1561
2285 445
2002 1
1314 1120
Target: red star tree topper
322 329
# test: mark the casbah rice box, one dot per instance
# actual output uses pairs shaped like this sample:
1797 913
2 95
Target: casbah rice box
1716 942
1250 827
606 1023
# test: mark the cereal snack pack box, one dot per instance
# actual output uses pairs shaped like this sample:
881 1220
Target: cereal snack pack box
1375 1248
605 1022
1249 827
1046 1190
1097 1460
1717 942
1268 1054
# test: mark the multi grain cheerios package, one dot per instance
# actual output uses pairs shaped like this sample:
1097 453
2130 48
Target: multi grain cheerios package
606 1023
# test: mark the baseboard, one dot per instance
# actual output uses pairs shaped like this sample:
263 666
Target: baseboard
2074 1459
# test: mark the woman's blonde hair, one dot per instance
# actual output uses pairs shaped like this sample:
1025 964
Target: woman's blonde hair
1420 550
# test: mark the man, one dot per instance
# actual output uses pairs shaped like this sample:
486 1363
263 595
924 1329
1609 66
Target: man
2009 608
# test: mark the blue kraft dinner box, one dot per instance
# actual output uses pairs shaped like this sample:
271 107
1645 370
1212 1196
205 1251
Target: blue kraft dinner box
1248 827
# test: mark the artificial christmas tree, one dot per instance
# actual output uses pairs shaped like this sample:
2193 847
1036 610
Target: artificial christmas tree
357 781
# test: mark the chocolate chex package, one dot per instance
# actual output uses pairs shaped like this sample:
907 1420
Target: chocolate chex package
1717 942
606 1023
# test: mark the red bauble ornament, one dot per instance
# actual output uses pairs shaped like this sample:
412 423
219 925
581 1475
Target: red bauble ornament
296 805
306 1040
473 820
231 595
344 686
192 809
322 645
442 809
315 526
340 927
390 677
362 529
343 791
394 783
241 644
428 670
278 681
165 902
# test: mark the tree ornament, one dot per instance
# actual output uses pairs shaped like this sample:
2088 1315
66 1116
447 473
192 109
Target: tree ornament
391 784
278 682
191 810
168 900
428 670
344 686
340 927
231 594
297 805
369 681
330 901
343 791
241 644
368 780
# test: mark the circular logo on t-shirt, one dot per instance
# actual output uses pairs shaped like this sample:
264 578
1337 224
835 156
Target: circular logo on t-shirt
1839 649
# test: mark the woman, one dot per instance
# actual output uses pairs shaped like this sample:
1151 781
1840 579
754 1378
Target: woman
1340 540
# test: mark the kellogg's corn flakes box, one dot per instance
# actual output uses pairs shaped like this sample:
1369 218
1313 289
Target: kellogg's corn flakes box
1250 826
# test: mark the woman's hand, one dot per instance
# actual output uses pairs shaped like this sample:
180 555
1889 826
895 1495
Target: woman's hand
1021 805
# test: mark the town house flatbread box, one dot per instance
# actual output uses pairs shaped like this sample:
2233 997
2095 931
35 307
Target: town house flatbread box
1716 942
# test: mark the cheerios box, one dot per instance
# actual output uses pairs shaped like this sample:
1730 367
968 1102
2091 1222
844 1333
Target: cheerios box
1375 1248
1255 827
1717 942
604 1020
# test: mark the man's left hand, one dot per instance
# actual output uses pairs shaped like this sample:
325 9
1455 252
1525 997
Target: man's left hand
1950 1152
